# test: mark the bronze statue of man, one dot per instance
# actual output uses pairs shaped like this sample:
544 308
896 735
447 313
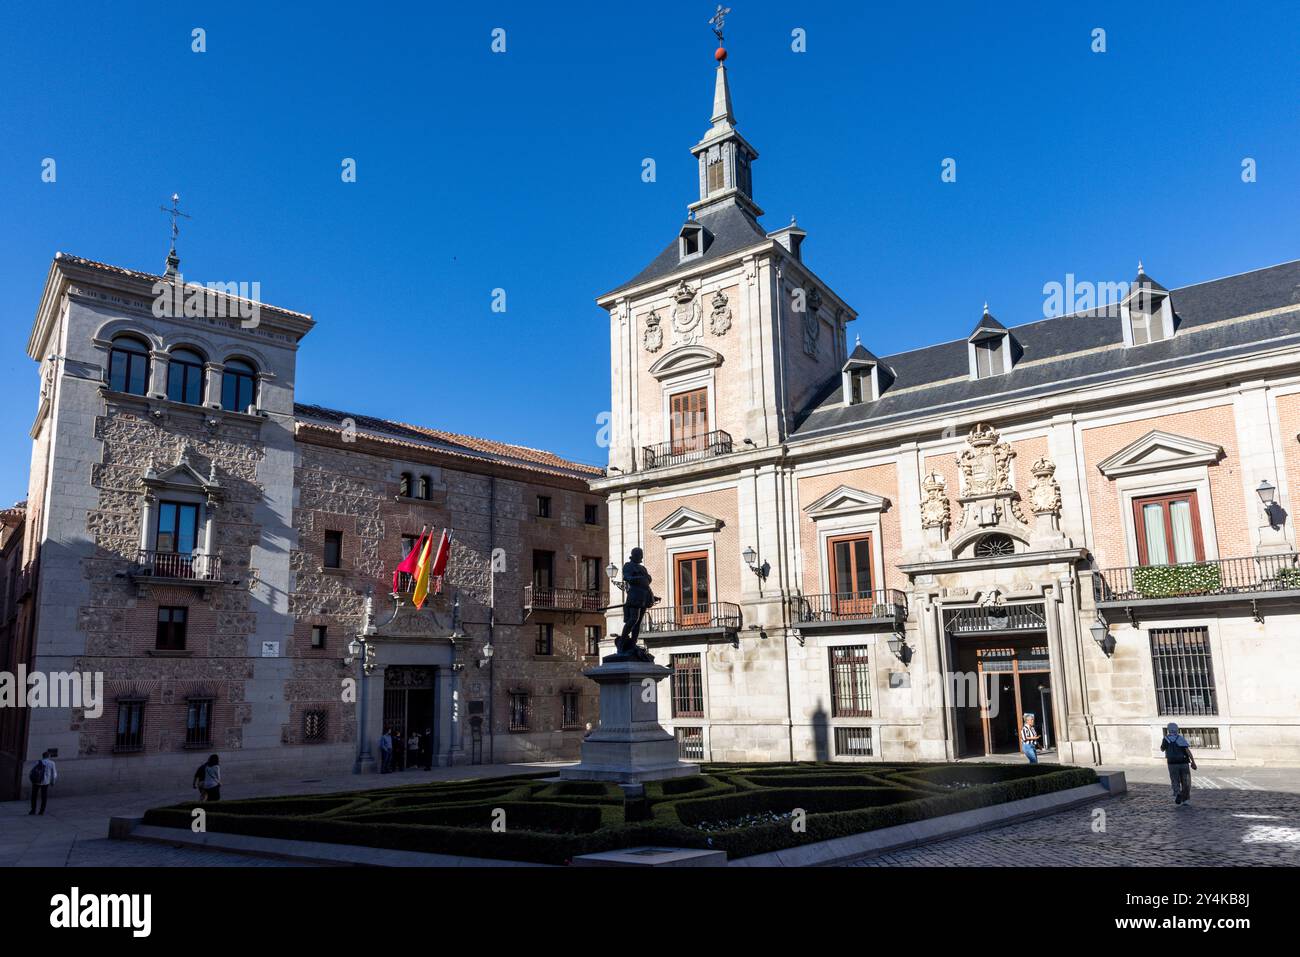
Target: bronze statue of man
637 597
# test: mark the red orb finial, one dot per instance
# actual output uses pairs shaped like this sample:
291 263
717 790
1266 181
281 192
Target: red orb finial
720 54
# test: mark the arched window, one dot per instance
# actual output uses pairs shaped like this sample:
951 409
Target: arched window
991 546
404 485
185 377
128 366
238 386
424 490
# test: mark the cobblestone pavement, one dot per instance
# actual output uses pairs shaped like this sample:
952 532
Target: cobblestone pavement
1242 817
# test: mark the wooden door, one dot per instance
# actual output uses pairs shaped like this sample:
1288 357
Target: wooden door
691 584
689 420
852 595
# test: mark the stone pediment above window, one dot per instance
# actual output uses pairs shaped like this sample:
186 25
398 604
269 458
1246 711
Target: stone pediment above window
846 501
687 521
685 359
1157 451
184 476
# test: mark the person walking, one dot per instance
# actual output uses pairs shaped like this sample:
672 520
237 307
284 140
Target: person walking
386 751
43 774
1178 754
208 779
1029 738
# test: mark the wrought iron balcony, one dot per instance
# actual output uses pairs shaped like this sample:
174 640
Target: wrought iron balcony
579 600
886 606
1225 577
721 616
995 619
177 566
681 451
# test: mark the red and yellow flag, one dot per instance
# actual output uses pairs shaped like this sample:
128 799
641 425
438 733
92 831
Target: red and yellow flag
422 568
407 566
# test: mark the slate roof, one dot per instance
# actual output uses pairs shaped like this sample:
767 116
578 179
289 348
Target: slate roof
732 230
1071 352
450 443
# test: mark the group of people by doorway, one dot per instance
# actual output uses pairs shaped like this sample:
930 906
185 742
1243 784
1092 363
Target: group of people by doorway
405 753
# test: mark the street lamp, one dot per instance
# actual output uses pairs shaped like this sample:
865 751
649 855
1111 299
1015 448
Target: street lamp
1266 492
361 649
898 645
751 559
611 571
1102 636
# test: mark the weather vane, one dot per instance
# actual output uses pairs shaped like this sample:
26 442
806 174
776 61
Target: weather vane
717 21
174 212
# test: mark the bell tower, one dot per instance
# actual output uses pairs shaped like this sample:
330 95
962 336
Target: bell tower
725 157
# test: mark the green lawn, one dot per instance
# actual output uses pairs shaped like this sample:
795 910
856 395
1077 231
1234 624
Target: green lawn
742 809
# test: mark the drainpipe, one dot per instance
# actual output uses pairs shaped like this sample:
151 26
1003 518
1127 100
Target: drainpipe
492 614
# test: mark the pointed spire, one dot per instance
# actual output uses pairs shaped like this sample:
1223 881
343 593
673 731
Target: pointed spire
723 119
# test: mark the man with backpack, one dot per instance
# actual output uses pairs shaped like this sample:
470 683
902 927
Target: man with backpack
42 775
1178 753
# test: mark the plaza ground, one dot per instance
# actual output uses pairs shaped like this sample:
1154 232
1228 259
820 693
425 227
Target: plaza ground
1238 817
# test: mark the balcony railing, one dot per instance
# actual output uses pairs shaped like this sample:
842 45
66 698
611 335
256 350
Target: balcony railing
537 598
178 566
680 451
1226 576
887 605
1029 616
708 616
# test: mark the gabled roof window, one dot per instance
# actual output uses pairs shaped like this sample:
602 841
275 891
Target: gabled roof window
991 347
1146 312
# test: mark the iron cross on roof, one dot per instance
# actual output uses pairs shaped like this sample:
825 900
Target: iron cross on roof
174 212
718 19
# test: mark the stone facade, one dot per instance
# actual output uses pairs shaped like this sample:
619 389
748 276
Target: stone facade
250 491
933 539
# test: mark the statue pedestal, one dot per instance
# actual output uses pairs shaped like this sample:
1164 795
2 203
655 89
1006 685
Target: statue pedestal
629 746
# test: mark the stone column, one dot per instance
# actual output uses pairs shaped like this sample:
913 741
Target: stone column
158 365
212 384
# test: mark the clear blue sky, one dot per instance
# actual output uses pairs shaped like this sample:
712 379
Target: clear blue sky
523 171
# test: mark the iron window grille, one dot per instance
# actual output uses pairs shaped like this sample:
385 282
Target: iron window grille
850 682
198 723
1183 671
314 724
519 711
690 743
687 686
853 742
130 725
569 710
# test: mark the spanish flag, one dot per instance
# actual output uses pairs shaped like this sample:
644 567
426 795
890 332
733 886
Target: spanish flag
422 567
407 566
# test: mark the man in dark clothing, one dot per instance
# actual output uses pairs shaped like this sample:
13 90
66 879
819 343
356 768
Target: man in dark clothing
43 774
1181 763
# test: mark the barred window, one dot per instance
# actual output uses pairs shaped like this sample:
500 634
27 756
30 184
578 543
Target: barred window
850 682
1202 739
1180 661
690 743
569 710
198 723
593 640
519 711
130 725
313 725
853 742
687 686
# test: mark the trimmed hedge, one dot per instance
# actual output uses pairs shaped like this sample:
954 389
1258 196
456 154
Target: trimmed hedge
548 821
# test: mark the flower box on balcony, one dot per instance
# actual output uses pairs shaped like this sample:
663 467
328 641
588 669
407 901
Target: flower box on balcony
1171 581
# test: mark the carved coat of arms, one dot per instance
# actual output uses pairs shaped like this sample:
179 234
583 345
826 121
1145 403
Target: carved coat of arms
687 316
1045 492
720 318
985 462
653 337
935 507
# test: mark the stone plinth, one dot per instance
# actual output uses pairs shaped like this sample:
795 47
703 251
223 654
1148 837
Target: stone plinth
629 746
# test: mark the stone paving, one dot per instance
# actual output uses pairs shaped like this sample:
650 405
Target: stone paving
74 830
1243 817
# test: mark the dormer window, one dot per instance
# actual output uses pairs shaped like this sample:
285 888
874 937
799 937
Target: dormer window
861 377
990 348
1146 311
690 241
989 358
